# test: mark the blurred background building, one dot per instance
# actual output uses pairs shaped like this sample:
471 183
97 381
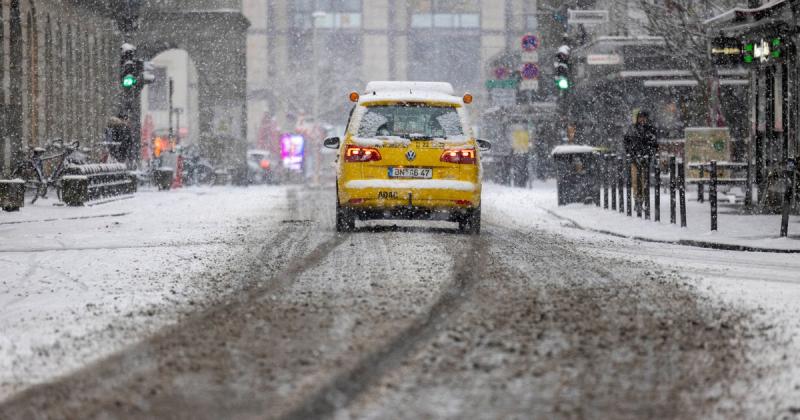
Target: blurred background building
357 41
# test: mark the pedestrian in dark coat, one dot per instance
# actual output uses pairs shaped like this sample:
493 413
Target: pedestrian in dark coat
641 146
119 138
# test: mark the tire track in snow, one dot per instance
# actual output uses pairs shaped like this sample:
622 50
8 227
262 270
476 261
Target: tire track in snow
58 399
348 385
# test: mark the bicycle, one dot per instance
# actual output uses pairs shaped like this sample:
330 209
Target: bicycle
32 169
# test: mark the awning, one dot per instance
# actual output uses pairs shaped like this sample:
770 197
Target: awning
741 20
677 73
692 83
740 12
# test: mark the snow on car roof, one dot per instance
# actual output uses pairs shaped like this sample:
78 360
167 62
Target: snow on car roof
385 86
409 92
406 96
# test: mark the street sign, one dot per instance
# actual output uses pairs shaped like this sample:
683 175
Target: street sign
530 84
501 72
501 84
530 57
530 43
520 139
603 59
503 97
587 17
529 71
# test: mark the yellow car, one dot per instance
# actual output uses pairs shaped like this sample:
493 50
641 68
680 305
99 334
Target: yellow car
408 153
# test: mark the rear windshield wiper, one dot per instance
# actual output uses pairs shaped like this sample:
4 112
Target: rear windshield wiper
413 137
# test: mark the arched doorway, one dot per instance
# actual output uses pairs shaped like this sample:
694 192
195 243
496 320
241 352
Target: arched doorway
177 65
216 42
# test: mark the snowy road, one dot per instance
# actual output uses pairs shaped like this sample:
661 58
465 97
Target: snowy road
528 320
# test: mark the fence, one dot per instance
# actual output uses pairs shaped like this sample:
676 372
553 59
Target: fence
626 185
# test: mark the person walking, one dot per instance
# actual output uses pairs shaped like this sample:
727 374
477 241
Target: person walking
641 146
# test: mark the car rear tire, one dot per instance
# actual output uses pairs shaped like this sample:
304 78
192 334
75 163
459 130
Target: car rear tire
471 222
345 219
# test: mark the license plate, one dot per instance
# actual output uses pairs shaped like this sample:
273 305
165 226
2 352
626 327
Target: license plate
421 173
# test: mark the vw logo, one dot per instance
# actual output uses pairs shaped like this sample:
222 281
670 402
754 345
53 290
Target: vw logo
411 155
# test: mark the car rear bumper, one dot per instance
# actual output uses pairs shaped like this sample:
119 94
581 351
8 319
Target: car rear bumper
410 196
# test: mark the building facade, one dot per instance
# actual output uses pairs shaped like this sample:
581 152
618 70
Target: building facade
764 40
58 73
355 41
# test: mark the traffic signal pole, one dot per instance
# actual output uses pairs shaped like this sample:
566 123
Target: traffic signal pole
134 75
171 131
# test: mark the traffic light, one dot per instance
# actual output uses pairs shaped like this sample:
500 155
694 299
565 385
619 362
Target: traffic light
147 72
562 78
129 75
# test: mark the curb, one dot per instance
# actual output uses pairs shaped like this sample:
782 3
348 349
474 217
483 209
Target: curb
684 242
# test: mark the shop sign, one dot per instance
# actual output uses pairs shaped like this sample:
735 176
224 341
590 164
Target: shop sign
763 50
292 151
520 139
587 17
529 84
529 57
501 84
603 59
503 97
726 51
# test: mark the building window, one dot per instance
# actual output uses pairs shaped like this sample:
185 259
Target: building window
445 14
339 14
531 22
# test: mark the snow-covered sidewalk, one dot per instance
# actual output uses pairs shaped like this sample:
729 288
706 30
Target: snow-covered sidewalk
735 230
79 283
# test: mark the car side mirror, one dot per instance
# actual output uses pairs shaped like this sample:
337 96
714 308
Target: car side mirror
331 142
483 145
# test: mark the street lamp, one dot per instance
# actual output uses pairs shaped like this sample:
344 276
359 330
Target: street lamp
316 16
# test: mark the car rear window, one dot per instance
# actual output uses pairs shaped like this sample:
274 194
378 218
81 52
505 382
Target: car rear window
410 120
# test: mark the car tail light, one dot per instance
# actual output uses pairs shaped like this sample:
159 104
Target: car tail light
458 156
361 154
264 164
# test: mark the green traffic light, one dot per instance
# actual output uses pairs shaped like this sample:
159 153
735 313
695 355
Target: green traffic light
562 83
128 81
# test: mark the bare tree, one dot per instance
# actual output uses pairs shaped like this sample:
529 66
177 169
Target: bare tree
682 25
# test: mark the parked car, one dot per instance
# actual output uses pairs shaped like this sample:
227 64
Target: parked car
260 167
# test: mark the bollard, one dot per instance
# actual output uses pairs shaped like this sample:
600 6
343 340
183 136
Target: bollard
598 180
682 191
613 184
657 198
712 195
787 196
700 192
646 192
606 176
628 186
621 183
672 190
748 187
12 194
639 193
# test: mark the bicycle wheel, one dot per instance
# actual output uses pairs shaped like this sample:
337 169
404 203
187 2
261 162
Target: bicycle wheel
33 181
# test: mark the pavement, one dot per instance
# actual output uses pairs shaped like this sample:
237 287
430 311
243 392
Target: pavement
736 231
275 315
